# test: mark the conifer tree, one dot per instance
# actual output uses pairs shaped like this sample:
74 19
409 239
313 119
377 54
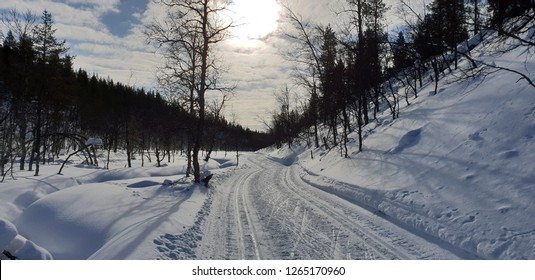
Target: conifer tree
46 45
328 80
49 53
449 26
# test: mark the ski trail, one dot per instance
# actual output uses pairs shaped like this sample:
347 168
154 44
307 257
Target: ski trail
245 224
268 211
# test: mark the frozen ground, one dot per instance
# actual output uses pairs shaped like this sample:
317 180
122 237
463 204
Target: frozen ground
452 178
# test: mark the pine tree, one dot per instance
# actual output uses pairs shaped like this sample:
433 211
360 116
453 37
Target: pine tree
449 23
49 52
328 80
503 9
18 73
401 53
10 43
46 45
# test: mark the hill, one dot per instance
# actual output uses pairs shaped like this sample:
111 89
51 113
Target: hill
457 166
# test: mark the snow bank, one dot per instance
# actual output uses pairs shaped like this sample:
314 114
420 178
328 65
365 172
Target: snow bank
7 233
94 142
97 213
114 219
18 246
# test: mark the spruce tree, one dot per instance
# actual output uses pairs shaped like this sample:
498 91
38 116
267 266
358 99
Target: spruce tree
328 80
49 61
46 45
450 23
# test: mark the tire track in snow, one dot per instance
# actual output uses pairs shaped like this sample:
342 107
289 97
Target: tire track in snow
350 231
264 210
377 233
349 227
231 231
245 224
288 223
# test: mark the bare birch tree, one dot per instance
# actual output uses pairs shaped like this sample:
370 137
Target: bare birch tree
187 38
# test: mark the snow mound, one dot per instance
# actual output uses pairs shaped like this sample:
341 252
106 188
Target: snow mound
7 233
94 142
18 246
110 220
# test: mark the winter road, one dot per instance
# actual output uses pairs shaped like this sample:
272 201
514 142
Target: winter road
264 210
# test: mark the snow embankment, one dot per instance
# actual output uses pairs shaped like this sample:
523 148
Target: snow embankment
458 166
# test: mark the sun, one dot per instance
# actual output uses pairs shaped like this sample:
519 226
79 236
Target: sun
254 19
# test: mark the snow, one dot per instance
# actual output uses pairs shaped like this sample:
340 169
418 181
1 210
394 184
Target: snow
93 213
14 243
7 232
452 178
458 166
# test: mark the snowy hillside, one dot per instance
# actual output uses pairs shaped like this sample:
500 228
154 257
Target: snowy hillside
458 166
452 178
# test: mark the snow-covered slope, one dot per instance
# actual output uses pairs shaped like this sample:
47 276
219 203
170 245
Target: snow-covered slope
459 165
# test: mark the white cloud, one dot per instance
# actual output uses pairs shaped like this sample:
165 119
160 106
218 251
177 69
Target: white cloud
83 34
100 6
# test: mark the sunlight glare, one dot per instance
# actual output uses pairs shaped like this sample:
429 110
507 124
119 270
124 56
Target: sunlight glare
255 19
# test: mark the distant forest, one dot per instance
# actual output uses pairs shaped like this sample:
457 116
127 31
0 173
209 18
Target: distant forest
47 108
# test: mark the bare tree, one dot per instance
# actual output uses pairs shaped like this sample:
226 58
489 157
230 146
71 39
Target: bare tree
20 23
215 113
306 53
187 36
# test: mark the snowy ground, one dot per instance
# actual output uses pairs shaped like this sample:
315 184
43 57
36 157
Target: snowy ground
265 210
91 213
260 210
453 178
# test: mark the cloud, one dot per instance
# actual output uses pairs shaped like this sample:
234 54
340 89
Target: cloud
62 12
75 33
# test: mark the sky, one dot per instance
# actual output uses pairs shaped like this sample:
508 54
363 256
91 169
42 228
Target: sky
106 36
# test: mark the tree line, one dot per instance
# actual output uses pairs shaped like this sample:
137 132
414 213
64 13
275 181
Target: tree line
351 73
47 108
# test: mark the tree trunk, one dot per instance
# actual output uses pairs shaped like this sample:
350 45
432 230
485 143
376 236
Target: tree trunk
196 166
22 143
189 155
237 156
476 17
37 140
360 125
436 71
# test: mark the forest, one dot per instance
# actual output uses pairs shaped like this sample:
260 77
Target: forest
349 75
352 74
48 108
